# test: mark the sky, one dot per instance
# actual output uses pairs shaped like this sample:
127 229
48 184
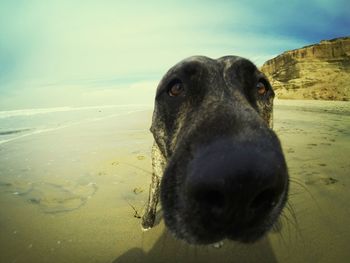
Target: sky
81 53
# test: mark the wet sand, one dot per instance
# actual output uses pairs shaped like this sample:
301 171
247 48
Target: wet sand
75 194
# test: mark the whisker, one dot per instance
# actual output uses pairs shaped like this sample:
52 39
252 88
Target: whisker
289 223
302 185
282 238
291 211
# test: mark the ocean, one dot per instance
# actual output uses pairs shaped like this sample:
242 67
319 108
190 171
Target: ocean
16 124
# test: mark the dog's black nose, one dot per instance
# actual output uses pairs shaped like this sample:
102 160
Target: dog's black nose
235 183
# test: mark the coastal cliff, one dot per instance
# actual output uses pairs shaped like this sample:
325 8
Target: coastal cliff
319 71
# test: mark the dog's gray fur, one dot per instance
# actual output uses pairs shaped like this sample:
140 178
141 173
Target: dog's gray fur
236 107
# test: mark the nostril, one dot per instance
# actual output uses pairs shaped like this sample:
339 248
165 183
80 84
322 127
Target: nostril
265 200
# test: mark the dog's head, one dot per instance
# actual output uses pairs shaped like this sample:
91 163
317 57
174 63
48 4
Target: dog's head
226 175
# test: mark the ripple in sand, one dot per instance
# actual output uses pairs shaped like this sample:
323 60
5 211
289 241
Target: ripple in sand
50 197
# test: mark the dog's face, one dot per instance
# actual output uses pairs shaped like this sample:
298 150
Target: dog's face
226 175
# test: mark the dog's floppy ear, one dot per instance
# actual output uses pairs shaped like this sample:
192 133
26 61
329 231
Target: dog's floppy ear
158 130
265 103
270 118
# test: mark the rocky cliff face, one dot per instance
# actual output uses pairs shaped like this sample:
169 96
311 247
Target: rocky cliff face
320 71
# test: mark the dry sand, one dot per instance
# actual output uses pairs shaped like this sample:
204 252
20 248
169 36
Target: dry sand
69 195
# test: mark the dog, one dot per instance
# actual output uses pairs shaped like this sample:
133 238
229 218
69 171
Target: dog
218 168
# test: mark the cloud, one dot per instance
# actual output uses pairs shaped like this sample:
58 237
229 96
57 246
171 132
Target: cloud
47 47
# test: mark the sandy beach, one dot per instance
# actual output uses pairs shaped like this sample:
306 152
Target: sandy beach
74 193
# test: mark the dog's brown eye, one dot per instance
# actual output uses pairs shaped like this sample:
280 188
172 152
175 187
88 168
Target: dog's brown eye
261 87
176 89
